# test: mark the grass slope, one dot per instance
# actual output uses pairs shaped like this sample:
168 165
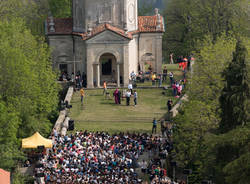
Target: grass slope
99 114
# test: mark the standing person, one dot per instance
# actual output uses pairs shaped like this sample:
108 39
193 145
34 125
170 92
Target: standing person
128 95
130 87
171 58
135 98
82 94
104 88
154 125
189 62
174 87
165 73
171 77
119 96
115 94
144 166
150 69
163 128
169 104
153 79
133 76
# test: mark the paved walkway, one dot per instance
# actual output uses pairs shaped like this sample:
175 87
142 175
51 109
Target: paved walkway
148 155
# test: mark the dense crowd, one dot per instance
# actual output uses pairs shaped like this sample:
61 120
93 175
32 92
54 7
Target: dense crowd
87 157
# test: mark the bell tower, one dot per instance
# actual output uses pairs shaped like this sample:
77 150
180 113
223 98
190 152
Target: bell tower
130 15
90 13
78 11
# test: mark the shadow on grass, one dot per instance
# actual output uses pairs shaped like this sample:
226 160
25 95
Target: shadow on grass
95 94
109 103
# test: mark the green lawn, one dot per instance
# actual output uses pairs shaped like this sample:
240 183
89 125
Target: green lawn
99 114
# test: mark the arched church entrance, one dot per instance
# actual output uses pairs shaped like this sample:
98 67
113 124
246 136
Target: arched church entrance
147 63
108 69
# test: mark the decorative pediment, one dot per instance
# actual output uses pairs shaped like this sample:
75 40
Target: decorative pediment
107 37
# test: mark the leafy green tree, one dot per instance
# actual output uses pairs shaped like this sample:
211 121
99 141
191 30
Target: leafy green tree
32 12
190 20
236 91
60 8
229 156
26 77
9 144
231 145
145 8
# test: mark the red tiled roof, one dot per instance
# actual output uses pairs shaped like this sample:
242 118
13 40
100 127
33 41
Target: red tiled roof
62 26
101 28
147 24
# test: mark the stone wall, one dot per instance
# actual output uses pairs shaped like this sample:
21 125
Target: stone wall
62 50
151 43
61 124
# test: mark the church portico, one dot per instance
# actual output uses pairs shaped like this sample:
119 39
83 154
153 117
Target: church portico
107 68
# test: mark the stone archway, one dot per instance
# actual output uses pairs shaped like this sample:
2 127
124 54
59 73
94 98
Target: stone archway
107 69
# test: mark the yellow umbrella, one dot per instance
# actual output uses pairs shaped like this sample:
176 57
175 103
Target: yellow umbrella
36 140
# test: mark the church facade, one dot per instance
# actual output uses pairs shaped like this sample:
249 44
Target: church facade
106 40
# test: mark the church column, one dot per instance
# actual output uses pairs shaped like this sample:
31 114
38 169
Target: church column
90 83
158 53
125 65
118 74
98 75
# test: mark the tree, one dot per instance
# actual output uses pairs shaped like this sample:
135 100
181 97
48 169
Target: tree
33 12
190 20
60 8
9 144
145 8
231 145
234 96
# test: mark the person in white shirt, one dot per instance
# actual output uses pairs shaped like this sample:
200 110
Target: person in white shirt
128 95
130 87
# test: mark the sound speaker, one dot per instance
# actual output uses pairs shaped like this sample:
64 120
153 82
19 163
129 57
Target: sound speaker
71 125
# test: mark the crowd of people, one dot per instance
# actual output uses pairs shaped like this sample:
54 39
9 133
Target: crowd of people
87 157
79 80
